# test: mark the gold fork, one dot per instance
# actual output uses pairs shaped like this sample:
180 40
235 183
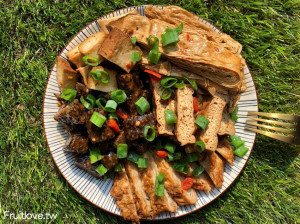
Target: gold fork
293 135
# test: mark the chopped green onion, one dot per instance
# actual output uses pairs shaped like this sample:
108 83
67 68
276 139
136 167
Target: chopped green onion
202 122
69 94
196 172
173 157
88 105
95 155
181 166
133 157
233 115
192 157
169 146
171 36
153 42
159 188
118 167
236 141
135 56
142 106
111 106
133 40
165 93
180 84
100 101
142 162
170 117
192 82
119 96
122 150
99 74
154 56
113 116
101 169
241 151
98 119
90 60
168 82
160 177
199 146
149 133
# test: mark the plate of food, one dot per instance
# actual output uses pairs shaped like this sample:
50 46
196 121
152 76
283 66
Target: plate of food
144 112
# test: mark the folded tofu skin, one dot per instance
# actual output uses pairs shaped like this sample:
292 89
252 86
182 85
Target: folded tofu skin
160 131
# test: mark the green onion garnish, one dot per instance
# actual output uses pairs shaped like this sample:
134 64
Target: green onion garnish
202 122
135 56
90 60
122 150
133 40
142 162
149 133
111 106
199 146
170 117
170 146
118 167
133 157
181 166
100 101
192 82
180 84
98 119
95 155
101 169
165 93
113 116
171 36
88 105
119 96
236 141
192 157
168 82
233 115
241 151
101 75
196 172
173 157
142 106
154 54
159 185
68 94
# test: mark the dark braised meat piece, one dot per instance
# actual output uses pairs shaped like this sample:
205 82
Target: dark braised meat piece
133 87
120 139
72 114
140 145
134 126
84 163
82 90
60 101
97 134
77 143
110 160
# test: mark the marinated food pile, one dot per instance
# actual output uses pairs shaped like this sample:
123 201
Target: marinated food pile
150 101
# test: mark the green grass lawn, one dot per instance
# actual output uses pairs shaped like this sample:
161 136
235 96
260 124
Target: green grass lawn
32 34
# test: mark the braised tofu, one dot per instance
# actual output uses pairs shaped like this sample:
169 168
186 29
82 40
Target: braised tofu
117 48
185 127
91 45
65 75
225 150
226 126
75 56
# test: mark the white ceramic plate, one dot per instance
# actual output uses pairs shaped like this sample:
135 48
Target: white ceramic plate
97 191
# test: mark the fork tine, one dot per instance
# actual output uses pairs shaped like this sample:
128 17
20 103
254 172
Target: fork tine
288 117
272 135
284 124
271 127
